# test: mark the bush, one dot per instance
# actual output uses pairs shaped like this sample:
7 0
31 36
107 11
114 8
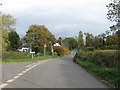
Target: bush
90 48
110 47
60 50
83 56
107 58
15 55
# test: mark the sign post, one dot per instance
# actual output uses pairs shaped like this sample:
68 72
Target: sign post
44 49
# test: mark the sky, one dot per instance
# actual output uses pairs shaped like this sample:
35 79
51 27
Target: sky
63 18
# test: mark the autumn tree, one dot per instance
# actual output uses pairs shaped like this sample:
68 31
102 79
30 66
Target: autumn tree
37 36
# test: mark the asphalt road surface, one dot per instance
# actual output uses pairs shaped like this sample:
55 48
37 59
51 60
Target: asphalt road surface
51 73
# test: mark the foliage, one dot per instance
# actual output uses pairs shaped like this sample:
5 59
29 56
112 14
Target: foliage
27 59
83 56
109 47
37 36
89 39
14 40
114 11
111 75
7 25
107 58
70 43
112 40
60 50
80 40
90 48
59 40
15 55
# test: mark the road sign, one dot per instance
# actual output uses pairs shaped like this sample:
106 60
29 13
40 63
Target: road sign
44 45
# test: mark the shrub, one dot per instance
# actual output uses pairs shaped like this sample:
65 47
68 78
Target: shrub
110 47
15 55
60 50
107 58
83 56
90 48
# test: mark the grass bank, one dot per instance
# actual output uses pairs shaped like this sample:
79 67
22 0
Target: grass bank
110 75
27 59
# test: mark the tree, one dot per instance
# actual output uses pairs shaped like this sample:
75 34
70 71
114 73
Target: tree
114 14
112 40
70 43
114 11
14 40
80 40
37 36
6 26
97 42
59 40
89 39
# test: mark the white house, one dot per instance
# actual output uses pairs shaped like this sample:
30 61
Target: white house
56 44
24 49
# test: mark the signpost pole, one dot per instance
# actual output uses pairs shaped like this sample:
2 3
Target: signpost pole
44 51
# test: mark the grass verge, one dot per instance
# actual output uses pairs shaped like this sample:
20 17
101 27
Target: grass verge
110 75
27 59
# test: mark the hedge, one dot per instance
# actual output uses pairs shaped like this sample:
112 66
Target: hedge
106 58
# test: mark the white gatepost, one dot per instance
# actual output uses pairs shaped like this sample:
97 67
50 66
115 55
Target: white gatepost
32 52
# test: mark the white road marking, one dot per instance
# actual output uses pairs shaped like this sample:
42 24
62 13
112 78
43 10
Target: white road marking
3 85
16 77
23 71
30 67
20 74
11 80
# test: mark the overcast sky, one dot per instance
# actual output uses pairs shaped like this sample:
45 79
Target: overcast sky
64 18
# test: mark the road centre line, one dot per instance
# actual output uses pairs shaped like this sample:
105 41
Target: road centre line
3 85
11 80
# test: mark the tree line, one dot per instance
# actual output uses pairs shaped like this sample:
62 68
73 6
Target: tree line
38 35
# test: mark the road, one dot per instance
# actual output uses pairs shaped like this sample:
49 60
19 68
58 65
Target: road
51 73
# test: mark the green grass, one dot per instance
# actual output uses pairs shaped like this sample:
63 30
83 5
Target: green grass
109 74
27 59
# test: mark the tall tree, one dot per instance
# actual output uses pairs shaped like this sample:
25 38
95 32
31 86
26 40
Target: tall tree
70 43
80 40
89 39
37 36
14 40
114 14
6 26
